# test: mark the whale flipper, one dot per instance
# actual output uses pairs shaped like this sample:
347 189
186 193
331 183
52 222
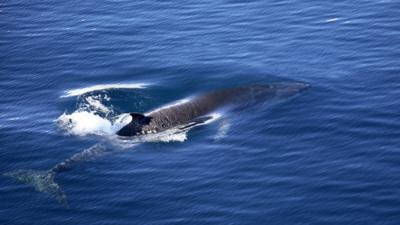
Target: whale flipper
42 181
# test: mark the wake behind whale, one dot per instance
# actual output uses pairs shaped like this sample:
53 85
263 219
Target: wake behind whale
172 119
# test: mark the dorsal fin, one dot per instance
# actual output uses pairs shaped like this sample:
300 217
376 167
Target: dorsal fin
140 118
137 116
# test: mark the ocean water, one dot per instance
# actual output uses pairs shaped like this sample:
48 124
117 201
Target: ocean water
71 70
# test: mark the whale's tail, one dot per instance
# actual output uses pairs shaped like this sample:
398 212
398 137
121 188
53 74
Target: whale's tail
42 181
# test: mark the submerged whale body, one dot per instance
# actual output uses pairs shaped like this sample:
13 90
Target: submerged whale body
183 115
195 110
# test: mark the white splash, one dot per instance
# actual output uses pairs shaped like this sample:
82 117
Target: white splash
84 123
95 102
81 91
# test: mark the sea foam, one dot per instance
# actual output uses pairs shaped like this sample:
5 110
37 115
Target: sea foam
84 123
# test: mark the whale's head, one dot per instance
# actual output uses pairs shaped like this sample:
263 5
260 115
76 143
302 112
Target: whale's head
135 127
279 90
290 89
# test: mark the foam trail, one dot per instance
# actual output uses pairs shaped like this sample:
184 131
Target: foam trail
81 91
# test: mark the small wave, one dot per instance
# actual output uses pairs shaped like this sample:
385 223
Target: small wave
81 91
332 20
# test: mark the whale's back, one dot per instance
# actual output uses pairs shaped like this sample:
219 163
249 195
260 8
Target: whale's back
185 112
207 103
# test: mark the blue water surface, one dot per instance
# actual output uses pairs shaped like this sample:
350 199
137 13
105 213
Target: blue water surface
330 155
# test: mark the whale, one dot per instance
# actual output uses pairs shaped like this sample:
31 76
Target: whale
185 115
196 109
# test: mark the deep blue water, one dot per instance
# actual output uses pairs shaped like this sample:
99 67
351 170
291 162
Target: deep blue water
330 155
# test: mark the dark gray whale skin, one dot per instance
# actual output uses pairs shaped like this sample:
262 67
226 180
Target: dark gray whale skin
180 114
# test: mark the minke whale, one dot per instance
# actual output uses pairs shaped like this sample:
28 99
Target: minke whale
195 110
185 115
